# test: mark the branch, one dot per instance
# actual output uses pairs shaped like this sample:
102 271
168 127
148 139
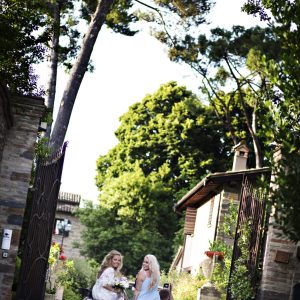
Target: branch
161 16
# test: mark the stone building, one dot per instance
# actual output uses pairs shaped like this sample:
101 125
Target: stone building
19 124
67 228
205 207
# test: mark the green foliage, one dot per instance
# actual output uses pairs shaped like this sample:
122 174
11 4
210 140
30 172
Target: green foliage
74 274
22 44
184 285
41 150
119 19
168 134
241 285
51 291
164 147
285 195
221 271
69 294
192 11
285 106
133 217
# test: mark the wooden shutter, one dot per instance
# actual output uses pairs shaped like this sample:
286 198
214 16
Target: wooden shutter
190 220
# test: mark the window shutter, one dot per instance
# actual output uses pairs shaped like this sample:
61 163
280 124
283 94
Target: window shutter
190 220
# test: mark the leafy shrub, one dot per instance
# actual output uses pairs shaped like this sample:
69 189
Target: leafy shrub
69 294
76 274
184 285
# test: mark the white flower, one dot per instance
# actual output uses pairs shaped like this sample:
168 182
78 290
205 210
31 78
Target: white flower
121 283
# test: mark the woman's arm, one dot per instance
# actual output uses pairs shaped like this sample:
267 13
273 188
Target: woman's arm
138 284
107 279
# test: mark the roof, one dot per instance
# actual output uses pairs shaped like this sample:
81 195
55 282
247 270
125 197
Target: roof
212 184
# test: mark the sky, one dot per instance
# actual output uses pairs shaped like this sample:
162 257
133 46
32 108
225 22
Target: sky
126 69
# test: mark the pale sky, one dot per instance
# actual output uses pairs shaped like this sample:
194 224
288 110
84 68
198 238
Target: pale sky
126 69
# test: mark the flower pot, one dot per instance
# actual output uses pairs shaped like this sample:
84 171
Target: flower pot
207 266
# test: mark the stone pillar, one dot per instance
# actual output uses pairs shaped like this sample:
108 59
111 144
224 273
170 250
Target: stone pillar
15 173
208 293
281 265
228 196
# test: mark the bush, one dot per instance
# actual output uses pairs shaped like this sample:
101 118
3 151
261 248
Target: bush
77 274
70 295
184 285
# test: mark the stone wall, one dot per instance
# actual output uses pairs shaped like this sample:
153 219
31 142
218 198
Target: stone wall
74 236
15 172
228 195
281 267
5 117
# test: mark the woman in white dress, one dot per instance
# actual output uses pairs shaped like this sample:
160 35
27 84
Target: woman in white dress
109 270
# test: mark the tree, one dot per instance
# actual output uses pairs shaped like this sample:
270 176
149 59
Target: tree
169 133
117 16
22 39
77 74
232 80
63 25
167 142
134 216
282 18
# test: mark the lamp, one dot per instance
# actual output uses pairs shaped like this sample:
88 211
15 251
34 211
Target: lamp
64 227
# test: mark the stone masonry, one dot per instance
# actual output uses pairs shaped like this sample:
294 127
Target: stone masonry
228 195
281 267
70 251
17 142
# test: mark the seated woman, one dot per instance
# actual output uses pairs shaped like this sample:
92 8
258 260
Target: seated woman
109 270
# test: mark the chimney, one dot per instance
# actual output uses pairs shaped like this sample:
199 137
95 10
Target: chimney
240 156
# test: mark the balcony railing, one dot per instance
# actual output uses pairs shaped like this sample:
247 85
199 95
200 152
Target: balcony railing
65 208
69 198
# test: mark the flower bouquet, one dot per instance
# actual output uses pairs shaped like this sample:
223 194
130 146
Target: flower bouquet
120 284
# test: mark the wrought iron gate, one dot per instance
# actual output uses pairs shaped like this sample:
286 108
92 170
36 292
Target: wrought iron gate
252 214
31 285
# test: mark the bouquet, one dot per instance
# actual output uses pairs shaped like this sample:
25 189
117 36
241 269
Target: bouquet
120 284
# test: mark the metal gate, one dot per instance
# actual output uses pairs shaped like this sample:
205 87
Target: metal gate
31 284
252 213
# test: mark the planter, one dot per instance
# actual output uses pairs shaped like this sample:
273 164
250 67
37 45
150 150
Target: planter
207 266
49 297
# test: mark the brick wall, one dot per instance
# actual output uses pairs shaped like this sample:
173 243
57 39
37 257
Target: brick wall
15 171
281 267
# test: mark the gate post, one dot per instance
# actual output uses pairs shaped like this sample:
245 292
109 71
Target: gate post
18 132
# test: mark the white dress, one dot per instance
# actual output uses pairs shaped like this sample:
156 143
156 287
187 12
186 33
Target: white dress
101 293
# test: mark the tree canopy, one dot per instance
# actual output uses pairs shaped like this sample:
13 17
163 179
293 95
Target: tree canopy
169 133
282 17
22 39
167 142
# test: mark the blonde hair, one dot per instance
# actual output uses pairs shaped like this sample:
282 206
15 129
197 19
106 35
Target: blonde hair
107 262
153 269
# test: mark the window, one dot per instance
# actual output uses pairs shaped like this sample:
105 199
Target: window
211 210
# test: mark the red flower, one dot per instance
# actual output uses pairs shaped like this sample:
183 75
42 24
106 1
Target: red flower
62 257
218 254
